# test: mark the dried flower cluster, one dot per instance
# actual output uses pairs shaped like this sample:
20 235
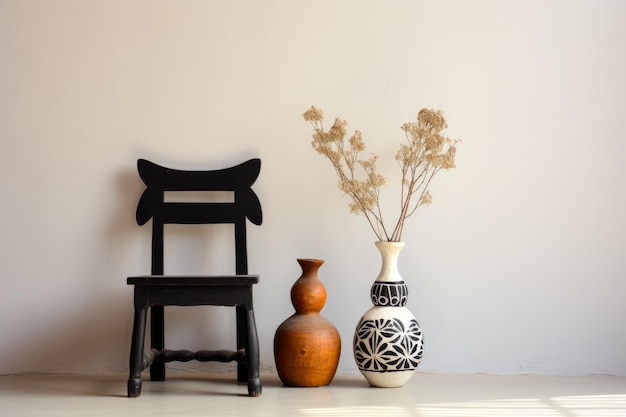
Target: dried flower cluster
426 152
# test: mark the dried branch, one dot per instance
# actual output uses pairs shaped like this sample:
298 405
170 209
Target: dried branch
426 152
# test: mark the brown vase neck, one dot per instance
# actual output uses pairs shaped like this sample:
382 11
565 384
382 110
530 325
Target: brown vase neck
308 294
310 265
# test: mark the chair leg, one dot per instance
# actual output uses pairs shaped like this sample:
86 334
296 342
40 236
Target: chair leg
252 355
242 336
136 352
157 338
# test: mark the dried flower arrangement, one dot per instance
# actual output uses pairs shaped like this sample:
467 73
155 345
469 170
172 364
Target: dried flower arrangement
426 153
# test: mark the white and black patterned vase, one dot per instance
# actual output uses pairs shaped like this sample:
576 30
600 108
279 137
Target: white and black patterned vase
388 342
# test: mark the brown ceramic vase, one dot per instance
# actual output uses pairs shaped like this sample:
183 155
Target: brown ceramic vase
306 345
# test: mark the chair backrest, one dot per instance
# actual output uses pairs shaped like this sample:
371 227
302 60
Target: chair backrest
237 179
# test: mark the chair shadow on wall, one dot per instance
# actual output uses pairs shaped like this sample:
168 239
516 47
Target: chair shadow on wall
96 335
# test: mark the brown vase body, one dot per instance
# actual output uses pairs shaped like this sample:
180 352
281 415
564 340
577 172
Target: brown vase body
306 345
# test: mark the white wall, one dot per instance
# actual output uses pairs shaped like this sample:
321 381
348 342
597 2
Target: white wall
517 267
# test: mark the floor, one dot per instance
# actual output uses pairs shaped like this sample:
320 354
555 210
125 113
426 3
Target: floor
426 395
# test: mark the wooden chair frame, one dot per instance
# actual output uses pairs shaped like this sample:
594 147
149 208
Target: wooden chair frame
154 292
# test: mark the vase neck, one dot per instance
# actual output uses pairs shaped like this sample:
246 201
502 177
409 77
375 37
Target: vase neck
308 294
310 266
389 252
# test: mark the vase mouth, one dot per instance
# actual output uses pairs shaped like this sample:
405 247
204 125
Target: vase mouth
310 260
390 242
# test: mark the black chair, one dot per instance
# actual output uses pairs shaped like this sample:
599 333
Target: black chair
158 290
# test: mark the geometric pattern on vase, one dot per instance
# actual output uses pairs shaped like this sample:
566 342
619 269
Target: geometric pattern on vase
389 294
384 345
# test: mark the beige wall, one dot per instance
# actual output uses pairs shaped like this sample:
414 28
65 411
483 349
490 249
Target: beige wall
518 266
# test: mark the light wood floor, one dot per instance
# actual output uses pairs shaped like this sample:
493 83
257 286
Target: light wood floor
426 395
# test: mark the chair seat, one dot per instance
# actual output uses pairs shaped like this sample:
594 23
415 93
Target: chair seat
190 280
182 290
